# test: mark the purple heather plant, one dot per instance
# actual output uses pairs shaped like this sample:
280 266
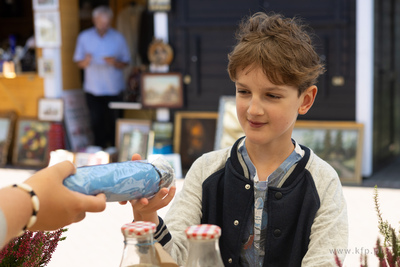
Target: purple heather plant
31 249
388 253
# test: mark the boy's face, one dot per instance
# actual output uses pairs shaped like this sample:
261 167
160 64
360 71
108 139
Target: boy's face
268 112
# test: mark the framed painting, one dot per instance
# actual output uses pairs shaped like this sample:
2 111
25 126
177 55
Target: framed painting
51 109
46 67
162 90
194 135
7 122
228 126
134 142
47 29
159 5
132 136
39 5
31 146
338 143
76 120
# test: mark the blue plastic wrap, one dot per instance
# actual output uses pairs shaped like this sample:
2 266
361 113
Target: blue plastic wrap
123 180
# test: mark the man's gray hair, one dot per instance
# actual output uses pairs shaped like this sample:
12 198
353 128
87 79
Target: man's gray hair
102 10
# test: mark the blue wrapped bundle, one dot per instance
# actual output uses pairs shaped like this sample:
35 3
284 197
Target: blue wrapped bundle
122 181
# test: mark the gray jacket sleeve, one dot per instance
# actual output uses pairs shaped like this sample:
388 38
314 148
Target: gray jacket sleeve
329 231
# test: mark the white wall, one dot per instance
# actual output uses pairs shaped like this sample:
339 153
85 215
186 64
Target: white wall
365 77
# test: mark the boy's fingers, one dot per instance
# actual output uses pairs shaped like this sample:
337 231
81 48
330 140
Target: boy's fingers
136 157
162 193
170 196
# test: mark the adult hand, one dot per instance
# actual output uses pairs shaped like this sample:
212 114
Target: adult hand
85 62
60 206
110 61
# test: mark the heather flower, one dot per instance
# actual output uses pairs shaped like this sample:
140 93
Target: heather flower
32 249
388 254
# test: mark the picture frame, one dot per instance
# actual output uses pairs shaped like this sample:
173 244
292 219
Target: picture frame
162 90
7 123
31 146
163 137
51 109
337 142
135 142
194 135
228 126
47 29
162 130
159 5
45 67
132 136
77 120
40 5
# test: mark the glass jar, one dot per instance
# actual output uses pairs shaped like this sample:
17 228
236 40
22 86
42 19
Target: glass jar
203 246
139 247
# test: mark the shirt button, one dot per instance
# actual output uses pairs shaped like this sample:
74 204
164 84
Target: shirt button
230 260
278 195
236 222
277 232
247 186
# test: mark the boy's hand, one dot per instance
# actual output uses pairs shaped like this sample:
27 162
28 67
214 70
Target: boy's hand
146 209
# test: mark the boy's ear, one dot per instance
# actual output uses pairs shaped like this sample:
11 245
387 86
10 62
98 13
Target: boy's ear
308 97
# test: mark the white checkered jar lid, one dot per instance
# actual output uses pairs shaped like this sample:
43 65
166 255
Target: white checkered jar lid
203 232
138 228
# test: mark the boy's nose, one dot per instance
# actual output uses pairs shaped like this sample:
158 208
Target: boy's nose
255 107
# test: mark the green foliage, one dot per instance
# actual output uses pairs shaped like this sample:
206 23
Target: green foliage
388 254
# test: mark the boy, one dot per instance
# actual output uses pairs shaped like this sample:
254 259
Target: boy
278 203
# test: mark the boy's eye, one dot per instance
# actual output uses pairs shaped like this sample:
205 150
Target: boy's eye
273 96
241 91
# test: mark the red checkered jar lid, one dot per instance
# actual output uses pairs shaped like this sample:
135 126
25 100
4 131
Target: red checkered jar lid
138 228
203 232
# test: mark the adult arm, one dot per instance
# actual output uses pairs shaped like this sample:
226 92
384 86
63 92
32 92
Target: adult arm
115 63
85 62
59 206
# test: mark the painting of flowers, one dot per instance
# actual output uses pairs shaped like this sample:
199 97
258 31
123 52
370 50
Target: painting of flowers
31 143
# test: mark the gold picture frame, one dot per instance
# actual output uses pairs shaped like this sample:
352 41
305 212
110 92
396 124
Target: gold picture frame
194 135
162 90
132 136
339 143
31 147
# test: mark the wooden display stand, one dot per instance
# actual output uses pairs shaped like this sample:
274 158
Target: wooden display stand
21 94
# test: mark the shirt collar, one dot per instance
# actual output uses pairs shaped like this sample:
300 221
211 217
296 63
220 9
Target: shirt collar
275 177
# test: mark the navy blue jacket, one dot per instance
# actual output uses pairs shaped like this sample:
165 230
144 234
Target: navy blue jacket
291 211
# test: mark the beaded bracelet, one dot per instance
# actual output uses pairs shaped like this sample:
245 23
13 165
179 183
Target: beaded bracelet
35 204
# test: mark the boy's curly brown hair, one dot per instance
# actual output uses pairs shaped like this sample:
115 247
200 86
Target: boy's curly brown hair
280 46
